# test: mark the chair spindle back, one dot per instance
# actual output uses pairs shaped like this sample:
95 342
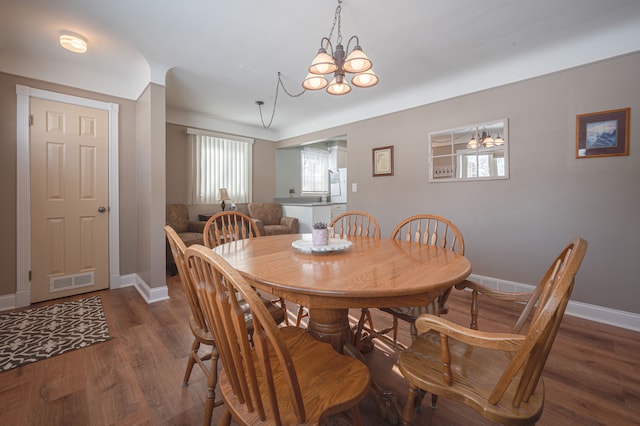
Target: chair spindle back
224 227
355 223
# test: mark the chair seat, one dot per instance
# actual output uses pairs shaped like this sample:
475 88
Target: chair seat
472 381
202 335
329 382
276 311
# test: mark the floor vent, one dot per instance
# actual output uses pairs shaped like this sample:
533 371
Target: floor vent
67 282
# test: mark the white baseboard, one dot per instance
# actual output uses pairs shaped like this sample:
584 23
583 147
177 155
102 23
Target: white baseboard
15 300
622 319
614 317
8 301
149 294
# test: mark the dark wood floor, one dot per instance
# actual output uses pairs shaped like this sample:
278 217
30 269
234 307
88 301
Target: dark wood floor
592 376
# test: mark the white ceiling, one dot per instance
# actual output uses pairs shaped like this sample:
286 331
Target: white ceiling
217 58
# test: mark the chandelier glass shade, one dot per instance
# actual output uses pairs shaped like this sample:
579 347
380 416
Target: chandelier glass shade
339 64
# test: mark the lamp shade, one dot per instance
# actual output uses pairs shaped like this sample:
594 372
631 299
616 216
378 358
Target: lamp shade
322 63
338 88
314 82
224 195
365 79
357 61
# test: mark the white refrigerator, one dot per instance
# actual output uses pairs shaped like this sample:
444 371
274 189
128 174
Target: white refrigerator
338 185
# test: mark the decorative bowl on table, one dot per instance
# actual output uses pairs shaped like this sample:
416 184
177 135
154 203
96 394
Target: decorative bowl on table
334 244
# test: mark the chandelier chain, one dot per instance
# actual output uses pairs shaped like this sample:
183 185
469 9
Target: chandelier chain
275 100
337 20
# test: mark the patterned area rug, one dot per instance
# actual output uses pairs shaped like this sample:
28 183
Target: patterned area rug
34 334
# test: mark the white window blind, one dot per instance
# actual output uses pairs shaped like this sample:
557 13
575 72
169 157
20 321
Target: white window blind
315 166
214 162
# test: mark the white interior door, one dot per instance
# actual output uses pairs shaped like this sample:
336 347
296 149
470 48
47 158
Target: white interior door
69 199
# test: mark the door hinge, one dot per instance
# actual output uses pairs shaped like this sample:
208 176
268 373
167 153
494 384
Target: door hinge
31 120
29 275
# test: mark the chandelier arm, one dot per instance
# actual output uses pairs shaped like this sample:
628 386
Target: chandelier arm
329 44
349 43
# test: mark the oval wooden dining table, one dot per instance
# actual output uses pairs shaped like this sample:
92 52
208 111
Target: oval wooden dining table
370 273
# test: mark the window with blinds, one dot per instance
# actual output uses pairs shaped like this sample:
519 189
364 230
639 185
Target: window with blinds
216 161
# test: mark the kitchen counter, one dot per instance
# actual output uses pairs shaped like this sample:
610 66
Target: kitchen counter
310 213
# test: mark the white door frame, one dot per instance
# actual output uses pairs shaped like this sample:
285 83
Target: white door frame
23 191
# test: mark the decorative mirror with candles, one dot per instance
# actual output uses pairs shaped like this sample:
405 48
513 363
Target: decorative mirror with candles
473 152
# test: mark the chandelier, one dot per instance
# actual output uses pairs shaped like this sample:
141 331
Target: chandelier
338 64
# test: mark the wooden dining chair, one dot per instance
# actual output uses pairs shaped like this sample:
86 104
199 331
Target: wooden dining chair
285 376
496 374
202 334
227 226
357 223
431 230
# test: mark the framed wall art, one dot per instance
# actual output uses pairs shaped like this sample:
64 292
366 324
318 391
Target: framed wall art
603 134
383 161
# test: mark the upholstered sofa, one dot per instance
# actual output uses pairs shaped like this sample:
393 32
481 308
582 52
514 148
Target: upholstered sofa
270 221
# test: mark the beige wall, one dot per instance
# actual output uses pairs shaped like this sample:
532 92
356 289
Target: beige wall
127 162
151 185
514 228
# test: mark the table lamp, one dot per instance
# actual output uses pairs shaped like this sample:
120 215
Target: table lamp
224 195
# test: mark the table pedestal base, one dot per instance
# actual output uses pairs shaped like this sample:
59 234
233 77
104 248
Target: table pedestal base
332 326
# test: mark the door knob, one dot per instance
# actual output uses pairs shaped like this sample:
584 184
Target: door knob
102 209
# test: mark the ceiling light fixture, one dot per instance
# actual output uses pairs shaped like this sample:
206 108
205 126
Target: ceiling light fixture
73 42
338 64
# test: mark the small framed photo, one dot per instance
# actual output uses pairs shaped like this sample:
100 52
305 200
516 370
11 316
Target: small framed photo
603 134
383 161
